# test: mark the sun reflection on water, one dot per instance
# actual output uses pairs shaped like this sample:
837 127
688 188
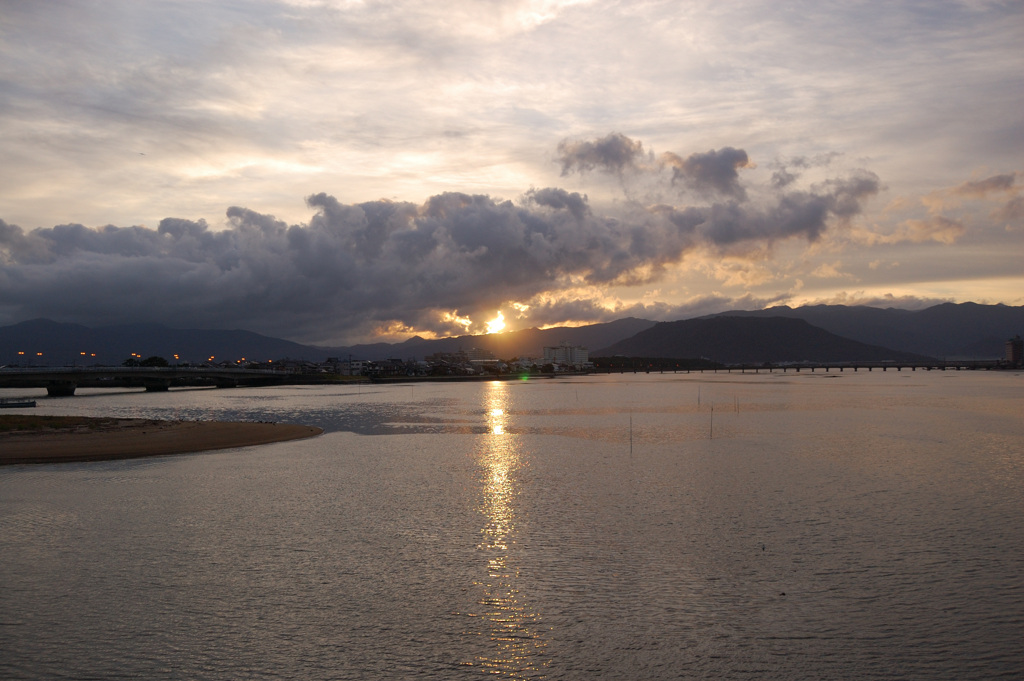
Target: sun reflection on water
505 617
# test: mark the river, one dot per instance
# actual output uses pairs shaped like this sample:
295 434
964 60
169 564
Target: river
663 526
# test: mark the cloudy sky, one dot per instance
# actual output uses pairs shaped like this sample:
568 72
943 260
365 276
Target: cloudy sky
334 171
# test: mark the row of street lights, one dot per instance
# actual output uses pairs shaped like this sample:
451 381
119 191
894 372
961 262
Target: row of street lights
24 357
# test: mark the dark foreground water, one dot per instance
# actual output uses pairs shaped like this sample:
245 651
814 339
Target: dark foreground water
851 526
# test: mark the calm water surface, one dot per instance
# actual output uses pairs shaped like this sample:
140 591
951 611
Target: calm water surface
810 526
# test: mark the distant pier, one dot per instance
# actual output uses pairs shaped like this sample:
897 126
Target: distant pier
933 365
812 367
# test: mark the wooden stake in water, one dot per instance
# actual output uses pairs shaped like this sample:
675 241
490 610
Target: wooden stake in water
631 432
711 429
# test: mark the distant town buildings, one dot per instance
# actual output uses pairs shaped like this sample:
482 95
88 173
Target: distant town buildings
566 355
471 362
476 354
1015 351
352 367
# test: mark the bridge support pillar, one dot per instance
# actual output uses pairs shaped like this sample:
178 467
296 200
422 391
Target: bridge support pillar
61 388
157 385
232 383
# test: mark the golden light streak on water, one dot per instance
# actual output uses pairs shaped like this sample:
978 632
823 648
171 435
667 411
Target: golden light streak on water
505 616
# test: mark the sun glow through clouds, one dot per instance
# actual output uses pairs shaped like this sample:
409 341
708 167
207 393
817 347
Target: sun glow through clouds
496 324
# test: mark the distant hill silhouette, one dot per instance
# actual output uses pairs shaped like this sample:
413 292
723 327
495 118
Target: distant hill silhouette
63 344
965 330
748 340
949 330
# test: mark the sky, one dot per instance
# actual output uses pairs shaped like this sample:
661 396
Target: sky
340 171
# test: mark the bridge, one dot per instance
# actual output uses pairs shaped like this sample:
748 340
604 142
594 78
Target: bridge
797 367
929 365
63 381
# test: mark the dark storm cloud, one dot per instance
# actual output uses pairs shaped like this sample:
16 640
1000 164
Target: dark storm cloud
783 178
559 199
982 188
356 267
787 172
711 172
803 214
1012 213
613 153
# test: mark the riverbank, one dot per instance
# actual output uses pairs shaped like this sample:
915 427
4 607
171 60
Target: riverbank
59 439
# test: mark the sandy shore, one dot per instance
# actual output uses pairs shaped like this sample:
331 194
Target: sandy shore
103 439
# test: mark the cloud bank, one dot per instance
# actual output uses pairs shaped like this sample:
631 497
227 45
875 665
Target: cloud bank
355 269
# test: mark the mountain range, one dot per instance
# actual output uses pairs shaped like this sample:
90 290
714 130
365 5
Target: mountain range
750 340
778 334
948 330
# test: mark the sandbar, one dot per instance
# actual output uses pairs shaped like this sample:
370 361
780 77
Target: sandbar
101 439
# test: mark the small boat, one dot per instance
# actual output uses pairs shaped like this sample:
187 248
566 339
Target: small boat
16 402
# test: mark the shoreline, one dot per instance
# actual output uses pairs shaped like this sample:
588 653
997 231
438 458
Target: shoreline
106 439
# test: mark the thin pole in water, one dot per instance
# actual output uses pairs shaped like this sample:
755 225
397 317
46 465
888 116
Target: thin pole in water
711 429
631 432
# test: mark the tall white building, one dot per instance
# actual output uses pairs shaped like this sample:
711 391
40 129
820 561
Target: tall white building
566 354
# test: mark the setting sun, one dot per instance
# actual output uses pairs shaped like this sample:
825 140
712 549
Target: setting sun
496 324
